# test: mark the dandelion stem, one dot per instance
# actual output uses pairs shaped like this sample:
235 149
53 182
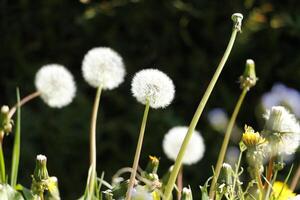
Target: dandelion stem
270 171
2 164
237 171
138 151
260 184
179 183
22 102
226 141
270 186
93 151
295 179
197 115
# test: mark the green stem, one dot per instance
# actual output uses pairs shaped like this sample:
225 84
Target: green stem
295 179
196 117
17 145
270 186
93 152
137 152
236 172
260 185
226 141
2 165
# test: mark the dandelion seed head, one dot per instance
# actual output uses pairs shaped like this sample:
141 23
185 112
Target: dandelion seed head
282 129
154 86
282 95
102 66
173 140
55 85
218 119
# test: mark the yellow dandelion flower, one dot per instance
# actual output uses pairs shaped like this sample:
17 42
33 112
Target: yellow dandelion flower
281 191
250 137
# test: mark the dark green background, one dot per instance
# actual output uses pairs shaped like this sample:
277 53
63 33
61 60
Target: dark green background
185 39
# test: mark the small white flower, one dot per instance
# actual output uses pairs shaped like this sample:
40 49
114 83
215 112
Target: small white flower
153 85
295 198
103 67
280 94
173 140
55 85
282 130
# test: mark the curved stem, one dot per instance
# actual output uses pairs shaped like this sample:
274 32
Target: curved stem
177 165
270 186
226 141
22 102
137 152
295 179
93 152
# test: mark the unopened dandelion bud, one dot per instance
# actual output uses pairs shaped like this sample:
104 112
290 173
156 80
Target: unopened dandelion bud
237 19
248 79
226 174
186 194
152 165
4 109
41 172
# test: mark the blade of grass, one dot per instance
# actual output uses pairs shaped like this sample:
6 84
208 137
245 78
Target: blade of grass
16 147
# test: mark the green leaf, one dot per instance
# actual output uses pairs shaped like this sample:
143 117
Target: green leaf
16 147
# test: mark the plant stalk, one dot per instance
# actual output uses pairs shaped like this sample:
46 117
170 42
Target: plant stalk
17 146
138 152
226 141
295 179
93 151
2 165
177 165
22 102
180 183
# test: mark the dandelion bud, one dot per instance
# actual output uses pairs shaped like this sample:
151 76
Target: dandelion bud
226 174
251 138
103 67
41 172
153 164
173 140
55 85
4 109
186 194
153 86
249 79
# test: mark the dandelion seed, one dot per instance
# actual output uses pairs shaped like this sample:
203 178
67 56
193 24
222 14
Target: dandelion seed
154 86
218 119
55 85
103 67
173 140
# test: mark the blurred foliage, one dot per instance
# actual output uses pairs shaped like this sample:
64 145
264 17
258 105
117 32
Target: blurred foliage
185 39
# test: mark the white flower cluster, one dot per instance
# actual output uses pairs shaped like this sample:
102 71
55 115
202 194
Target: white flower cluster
154 86
103 67
55 85
282 124
173 140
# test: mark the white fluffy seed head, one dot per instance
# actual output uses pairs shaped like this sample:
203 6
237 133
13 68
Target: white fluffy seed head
283 130
102 66
154 86
55 85
173 140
